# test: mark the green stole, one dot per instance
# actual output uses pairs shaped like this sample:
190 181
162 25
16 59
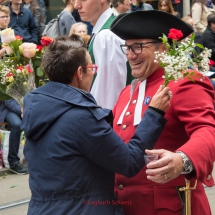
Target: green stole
90 49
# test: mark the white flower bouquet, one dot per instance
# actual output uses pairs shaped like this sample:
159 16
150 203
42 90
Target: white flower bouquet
177 60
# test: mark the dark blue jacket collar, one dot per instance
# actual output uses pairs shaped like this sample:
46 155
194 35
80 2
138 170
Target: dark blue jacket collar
67 93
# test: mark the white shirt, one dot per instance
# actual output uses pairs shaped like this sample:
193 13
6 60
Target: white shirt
115 11
111 62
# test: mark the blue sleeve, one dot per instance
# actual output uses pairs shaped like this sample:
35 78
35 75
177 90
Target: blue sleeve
104 147
13 106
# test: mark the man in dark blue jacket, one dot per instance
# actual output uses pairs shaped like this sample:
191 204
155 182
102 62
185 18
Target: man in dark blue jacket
22 21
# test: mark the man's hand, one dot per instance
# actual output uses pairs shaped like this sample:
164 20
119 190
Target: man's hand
168 166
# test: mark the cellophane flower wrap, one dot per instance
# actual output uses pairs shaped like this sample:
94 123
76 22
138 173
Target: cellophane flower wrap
17 80
20 68
181 59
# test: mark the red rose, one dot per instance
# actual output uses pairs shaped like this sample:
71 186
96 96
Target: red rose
28 67
39 48
18 37
45 41
19 67
9 74
211 63
175 34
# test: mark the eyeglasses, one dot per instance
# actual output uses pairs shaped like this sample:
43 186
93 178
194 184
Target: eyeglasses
94 68
4 17
137 48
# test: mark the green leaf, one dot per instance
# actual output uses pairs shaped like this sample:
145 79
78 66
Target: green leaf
36 63
193 36
13 186
2 88
18 54
200 45
194 51
191 79
39 72
172 52
185 74
4 96
165 38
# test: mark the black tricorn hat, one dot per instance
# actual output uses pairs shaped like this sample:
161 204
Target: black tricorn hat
150 24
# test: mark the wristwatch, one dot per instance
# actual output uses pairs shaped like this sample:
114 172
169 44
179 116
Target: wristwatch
187 164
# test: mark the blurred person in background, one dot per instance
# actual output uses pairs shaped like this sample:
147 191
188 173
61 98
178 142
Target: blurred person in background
139 5
4 17
78 28
66 19
37 12
11 112
198 37
4 22
120 6
5 2
43 6
104 49
208 39
199 13
23 22
166 6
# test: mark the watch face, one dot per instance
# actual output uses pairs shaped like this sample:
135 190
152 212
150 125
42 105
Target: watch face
187 165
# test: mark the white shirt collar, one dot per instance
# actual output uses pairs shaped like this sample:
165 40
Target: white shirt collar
101 20
115 11
139 102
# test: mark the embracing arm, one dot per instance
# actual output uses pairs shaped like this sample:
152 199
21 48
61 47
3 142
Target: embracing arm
100 144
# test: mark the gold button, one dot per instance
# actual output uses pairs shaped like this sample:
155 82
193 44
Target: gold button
124 127
134 102
121 187
209 177
127 113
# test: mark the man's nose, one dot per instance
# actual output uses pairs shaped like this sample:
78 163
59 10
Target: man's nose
130 54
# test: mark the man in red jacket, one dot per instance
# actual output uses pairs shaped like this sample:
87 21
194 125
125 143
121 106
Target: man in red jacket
186 148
